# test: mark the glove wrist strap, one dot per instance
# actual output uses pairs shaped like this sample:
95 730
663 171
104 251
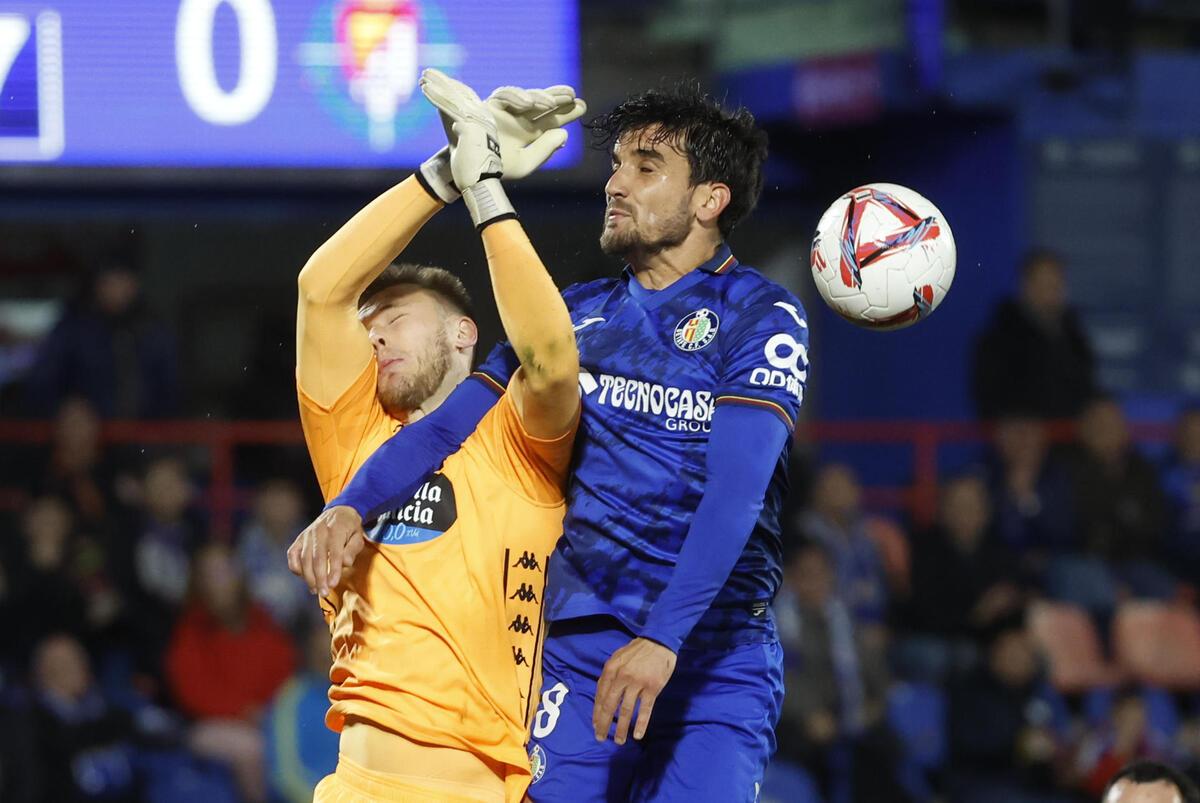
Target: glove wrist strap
435 177
487 203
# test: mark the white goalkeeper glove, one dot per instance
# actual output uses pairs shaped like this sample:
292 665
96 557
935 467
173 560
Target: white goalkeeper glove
529 126
474 147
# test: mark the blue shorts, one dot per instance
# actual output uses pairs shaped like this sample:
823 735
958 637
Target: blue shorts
709 739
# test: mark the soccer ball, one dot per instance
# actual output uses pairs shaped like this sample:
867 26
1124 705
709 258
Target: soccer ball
883 256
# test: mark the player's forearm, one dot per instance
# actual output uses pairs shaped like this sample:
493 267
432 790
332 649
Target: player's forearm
532 310
338 271
743 450
331 350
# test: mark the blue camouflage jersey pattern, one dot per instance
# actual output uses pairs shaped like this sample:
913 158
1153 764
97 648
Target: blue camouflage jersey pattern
653 366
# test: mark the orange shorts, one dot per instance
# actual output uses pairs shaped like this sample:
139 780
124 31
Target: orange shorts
351 783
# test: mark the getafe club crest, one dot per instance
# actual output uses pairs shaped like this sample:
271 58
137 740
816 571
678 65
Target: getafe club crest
537 762
695 331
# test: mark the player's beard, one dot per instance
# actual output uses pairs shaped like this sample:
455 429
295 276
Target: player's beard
672 232
405 394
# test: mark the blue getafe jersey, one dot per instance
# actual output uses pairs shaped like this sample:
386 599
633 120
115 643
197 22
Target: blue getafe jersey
653 365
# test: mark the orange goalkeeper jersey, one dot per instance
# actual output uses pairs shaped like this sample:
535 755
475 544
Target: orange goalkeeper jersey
437 627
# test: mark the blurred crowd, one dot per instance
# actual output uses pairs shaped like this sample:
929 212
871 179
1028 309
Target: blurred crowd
143 656
1038 634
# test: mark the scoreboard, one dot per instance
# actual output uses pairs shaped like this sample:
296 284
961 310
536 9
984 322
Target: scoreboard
260 83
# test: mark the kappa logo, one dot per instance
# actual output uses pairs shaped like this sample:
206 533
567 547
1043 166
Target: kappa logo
527 561
525 593
696 330
537 762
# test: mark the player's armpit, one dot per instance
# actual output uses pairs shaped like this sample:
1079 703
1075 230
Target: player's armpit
331 347
534 466
549 411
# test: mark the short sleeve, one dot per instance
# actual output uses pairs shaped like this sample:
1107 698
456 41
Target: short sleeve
343 435
538 468
766 356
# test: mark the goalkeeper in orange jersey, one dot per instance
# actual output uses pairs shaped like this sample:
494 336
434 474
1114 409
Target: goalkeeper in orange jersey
437 622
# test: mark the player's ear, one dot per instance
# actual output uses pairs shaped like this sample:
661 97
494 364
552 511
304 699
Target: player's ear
712 199
466 334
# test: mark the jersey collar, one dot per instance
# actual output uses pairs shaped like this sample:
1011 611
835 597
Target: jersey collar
723 262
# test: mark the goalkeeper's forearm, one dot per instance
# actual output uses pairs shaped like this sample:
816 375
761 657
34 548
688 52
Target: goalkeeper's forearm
331 350
532 310
347 262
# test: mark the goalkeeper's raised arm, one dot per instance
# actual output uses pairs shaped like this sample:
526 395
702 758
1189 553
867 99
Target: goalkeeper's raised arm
331 346
534 316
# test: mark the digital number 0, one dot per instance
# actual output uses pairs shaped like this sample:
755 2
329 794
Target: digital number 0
198 74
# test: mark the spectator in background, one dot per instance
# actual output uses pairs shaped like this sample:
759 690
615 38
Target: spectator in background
226 660
835 520
279 516
1182 485
42 596
1151 782
1119 505
300 749
1008 729
56 582
153 548
83 744
109 350
1034 357
1030 494
78 469
964 580
836 681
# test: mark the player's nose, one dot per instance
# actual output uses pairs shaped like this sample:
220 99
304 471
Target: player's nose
615 187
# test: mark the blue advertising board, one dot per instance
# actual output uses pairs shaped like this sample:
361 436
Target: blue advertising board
260 83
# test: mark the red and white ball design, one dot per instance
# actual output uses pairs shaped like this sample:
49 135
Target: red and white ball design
883 256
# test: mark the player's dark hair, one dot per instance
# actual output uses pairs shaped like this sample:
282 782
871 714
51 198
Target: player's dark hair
1146 771
720 145
439 281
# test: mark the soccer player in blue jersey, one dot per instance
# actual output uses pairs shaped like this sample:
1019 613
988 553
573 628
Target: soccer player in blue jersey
693 367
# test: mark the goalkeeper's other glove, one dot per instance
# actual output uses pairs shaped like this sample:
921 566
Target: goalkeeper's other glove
530 124
474 147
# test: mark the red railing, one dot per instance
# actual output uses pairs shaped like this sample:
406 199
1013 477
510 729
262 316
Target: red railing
221 437
926 437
